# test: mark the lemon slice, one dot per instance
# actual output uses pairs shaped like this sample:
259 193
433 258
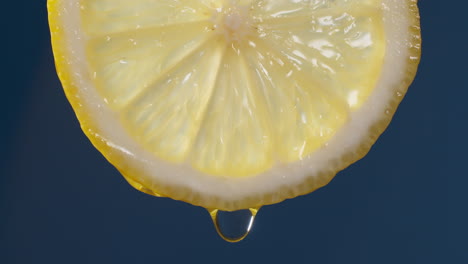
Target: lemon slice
234 104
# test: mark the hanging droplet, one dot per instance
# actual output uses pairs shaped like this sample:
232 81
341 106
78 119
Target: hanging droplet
233 226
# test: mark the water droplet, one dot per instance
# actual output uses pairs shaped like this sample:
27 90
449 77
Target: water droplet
233 226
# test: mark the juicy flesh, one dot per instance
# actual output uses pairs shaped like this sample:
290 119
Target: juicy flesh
233 87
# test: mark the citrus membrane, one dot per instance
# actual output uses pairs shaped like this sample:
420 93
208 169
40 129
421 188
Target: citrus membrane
234 104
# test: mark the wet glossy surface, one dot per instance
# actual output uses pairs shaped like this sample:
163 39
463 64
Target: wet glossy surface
232 87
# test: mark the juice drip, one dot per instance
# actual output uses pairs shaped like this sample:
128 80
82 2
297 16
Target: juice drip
233 226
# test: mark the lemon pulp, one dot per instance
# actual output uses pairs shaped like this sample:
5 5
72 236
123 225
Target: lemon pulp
232 87
234 104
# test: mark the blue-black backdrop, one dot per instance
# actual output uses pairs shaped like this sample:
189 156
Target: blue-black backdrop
405 202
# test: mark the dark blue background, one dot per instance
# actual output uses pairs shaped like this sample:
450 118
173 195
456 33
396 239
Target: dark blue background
405 202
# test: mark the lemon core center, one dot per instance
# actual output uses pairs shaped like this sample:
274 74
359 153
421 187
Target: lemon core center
233 22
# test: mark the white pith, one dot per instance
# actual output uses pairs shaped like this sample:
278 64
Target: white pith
176 175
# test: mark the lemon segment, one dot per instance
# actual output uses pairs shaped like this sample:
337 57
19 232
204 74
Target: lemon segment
126 65
167 116
103 17
236 106
298 126
341 51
